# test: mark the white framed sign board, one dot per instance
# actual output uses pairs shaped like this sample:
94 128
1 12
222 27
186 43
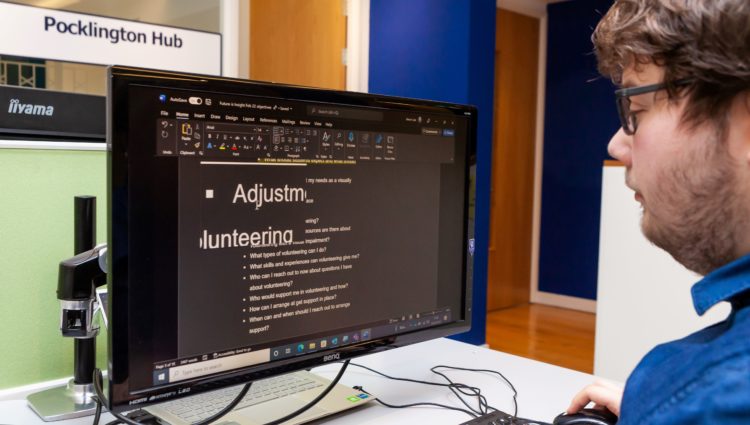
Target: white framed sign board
75 37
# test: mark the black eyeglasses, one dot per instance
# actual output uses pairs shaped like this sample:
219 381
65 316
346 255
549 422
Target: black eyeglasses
622 96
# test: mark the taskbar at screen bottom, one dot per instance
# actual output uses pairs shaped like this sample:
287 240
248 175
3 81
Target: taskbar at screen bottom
208 364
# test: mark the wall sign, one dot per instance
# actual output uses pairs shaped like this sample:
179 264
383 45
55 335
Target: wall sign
74 37
51 115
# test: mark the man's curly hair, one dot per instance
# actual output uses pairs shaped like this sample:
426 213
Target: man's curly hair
704 41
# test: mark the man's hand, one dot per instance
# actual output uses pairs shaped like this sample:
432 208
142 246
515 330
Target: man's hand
602 393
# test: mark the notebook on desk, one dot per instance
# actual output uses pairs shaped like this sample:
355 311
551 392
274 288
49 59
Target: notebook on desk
268 400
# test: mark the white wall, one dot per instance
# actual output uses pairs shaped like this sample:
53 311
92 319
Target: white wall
357 45
643 293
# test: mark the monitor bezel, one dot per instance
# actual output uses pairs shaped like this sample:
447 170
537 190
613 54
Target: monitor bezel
119 79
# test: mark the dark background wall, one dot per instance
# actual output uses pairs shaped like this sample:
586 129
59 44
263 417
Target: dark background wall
580 117
443 50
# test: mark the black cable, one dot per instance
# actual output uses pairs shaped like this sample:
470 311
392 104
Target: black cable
100 401
99 396
459 390
229 407
117 421
471 411
483 406
437 384
315 400
416 381
114 422
507 381
98 412
475 392
426 403
471 392
451 385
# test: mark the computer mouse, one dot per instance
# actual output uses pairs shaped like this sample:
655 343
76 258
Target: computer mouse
586 417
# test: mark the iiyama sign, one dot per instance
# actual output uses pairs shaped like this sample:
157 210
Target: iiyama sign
34 113
74 37
16 107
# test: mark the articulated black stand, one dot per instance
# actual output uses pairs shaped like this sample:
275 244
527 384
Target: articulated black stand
84 229
76 289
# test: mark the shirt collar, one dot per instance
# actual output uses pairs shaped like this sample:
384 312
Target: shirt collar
722 284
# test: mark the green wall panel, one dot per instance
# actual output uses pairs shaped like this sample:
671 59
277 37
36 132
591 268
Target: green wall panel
36 232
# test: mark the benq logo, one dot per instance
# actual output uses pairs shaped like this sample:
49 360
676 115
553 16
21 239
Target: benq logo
16 107
334 356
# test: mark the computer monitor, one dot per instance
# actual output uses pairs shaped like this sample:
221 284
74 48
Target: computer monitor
255 229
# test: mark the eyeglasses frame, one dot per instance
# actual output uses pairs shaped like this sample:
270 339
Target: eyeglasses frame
623 95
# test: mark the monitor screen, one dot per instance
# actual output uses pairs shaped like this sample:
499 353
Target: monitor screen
256 229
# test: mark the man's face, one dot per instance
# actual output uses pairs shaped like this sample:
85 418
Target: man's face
686 179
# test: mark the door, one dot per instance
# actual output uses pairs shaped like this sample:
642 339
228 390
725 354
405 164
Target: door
298 42
512 197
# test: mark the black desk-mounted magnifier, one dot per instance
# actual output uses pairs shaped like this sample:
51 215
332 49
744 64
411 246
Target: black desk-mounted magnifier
78 279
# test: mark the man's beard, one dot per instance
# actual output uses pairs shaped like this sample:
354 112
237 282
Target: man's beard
698 213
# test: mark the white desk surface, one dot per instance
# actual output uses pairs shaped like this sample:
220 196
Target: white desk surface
543 390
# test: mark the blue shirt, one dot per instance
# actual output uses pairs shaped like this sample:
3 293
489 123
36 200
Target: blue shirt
705 377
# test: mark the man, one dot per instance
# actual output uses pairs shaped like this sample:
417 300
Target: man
684 66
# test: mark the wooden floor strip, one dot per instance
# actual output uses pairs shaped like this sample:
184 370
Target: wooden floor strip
550 334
